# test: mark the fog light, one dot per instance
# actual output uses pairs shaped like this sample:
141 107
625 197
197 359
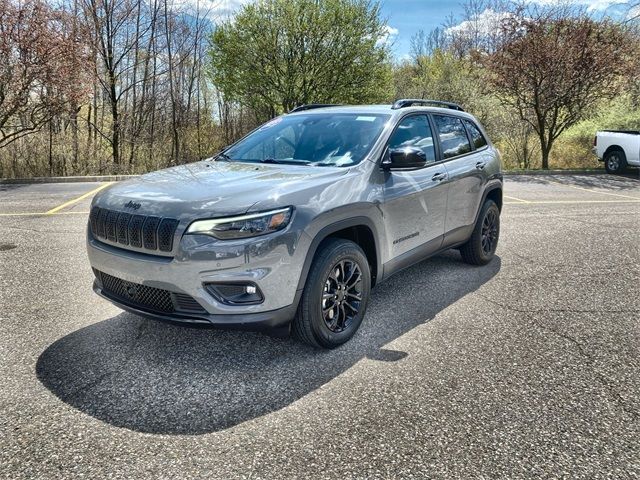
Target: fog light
235 293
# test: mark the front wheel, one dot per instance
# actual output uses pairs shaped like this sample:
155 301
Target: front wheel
481 247
335 296
615 161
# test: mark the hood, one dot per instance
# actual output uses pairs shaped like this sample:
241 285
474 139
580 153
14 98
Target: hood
204 189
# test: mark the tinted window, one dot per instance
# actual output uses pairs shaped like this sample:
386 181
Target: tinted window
453 136
414 131
477 137
338 139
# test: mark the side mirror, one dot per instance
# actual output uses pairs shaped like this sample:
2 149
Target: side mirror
404 158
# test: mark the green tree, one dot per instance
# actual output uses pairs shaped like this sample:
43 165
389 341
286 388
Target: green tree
278 54
439 74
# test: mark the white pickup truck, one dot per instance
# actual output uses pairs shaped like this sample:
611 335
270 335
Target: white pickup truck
617 149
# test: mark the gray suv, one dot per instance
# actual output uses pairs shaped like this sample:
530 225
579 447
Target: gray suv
291 226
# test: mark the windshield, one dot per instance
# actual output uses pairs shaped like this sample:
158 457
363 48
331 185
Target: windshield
331 139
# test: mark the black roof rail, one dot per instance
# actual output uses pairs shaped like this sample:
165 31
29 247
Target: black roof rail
311 106
407 102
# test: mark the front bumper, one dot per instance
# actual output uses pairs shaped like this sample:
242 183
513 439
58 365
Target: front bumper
272 262
253 321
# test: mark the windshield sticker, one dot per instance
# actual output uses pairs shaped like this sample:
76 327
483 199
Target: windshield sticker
271 123
366 119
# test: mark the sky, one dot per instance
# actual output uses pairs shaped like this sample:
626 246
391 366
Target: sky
405 18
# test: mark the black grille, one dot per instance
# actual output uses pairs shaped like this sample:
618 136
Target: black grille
122 228
135 231
187 303
93 220
152 233
165 234
147 298
110 225
100 220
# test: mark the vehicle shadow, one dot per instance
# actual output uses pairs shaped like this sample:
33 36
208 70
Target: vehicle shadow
161 378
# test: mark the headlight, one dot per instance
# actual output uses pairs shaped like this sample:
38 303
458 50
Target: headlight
243 226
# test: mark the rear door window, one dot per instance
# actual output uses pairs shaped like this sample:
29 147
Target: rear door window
476 135
453 136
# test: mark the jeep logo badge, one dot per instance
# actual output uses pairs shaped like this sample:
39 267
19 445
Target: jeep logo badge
131 204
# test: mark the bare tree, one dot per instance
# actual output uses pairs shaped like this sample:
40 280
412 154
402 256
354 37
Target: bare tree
40 51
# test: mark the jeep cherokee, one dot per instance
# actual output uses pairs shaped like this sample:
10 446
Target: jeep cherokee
291 226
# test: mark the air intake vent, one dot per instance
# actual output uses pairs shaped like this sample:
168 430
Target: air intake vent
166 230
135 231
150 233
122 228
138 231
143 297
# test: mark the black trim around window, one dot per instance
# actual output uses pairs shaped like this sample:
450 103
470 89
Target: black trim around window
436 138
442 159
466 122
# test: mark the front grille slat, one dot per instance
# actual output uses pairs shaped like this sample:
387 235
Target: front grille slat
100 218
143 297
138 231
166 231
122 228
150 233
110 225
93 220
135 231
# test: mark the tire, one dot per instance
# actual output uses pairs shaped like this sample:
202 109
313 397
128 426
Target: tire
481 247
332 279
615 161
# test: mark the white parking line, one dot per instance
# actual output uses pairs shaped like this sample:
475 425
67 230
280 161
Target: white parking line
593 191
568 202
518 199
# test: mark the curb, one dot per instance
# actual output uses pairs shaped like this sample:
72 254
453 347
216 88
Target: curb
78 179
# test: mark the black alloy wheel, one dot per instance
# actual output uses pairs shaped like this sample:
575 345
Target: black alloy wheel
489 232
335 296
342 295
481 246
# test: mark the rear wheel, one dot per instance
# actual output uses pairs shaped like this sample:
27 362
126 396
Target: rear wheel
615 161
481 247
335 296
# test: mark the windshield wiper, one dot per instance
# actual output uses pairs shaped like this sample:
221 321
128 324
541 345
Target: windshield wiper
284 162
224 157
322 164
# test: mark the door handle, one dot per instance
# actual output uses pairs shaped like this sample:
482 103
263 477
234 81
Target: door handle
480 165
438 177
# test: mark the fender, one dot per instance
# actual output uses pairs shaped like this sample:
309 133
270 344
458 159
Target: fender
495 183
327 231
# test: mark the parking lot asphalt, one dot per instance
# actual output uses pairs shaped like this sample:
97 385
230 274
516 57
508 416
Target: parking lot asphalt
525 368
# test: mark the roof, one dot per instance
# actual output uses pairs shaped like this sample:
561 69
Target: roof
380 109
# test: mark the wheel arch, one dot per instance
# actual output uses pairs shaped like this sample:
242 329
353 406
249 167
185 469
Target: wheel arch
360 230
613 148
492 192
